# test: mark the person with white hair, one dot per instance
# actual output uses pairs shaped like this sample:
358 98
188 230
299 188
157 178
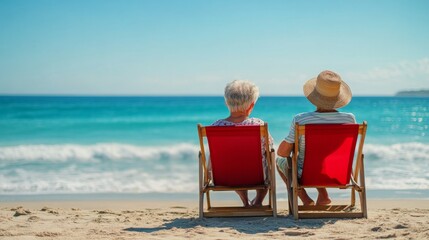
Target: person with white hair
240 98
327 92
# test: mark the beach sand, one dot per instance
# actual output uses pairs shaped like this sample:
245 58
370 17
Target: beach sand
400 219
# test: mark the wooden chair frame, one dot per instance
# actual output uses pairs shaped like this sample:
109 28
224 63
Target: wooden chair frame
205 187
357 184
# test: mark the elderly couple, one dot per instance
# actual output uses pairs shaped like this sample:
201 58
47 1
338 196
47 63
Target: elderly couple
327 92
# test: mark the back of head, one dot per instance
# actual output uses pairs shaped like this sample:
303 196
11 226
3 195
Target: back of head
240 94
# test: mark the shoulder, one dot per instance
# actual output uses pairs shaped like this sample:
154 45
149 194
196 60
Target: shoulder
253 121
222 122
302 116
346 115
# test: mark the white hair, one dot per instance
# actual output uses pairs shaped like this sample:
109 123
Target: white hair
240 94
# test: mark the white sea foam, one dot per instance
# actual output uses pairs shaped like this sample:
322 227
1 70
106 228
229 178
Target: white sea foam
397 166
112 167
98 168
87 153
408 152
129 181
404 152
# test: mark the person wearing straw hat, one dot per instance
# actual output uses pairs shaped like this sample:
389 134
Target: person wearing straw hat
327 92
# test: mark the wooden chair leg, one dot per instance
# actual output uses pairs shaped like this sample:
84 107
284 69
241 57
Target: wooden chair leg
363 193
289 200
200 182
208 200
274 204
201 214
295 202
273 183
288 186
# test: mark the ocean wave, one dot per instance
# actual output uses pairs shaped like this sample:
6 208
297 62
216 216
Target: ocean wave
124 168
98 168
96 152
397 166
413 151
78 181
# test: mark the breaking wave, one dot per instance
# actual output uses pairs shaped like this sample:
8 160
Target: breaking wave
120 168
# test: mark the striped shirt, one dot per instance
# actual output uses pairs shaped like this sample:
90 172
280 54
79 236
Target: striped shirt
314 117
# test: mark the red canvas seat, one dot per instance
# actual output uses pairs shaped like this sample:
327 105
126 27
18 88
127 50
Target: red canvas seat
235 154
228 162
329 162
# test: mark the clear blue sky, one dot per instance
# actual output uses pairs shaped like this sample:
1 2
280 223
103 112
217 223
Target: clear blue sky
190 47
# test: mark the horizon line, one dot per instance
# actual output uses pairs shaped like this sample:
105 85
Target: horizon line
165 95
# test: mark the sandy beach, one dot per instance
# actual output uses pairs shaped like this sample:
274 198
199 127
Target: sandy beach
399 219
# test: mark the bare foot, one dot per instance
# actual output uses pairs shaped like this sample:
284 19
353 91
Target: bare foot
259 198
323 198
323 201
253 203
306 200
243 197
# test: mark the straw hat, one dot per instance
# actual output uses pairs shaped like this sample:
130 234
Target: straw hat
327 91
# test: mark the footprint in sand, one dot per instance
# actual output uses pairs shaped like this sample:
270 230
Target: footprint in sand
33 219
48 234
49 210
400 226
377 229
295 233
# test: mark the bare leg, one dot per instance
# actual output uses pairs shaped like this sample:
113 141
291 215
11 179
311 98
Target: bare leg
302 194
243 196
306 200
260 195
283 176
323 198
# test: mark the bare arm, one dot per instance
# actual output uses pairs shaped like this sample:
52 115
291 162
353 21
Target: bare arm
285 149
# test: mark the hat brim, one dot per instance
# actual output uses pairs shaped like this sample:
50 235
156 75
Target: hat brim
341 100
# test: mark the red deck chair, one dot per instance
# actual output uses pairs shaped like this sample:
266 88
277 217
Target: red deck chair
236 164
329 163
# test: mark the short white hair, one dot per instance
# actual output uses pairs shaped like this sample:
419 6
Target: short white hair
240 94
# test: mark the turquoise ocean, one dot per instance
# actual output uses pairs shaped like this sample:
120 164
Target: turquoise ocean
147 146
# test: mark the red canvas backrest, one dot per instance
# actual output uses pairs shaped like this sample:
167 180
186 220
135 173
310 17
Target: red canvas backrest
329 153
235 155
